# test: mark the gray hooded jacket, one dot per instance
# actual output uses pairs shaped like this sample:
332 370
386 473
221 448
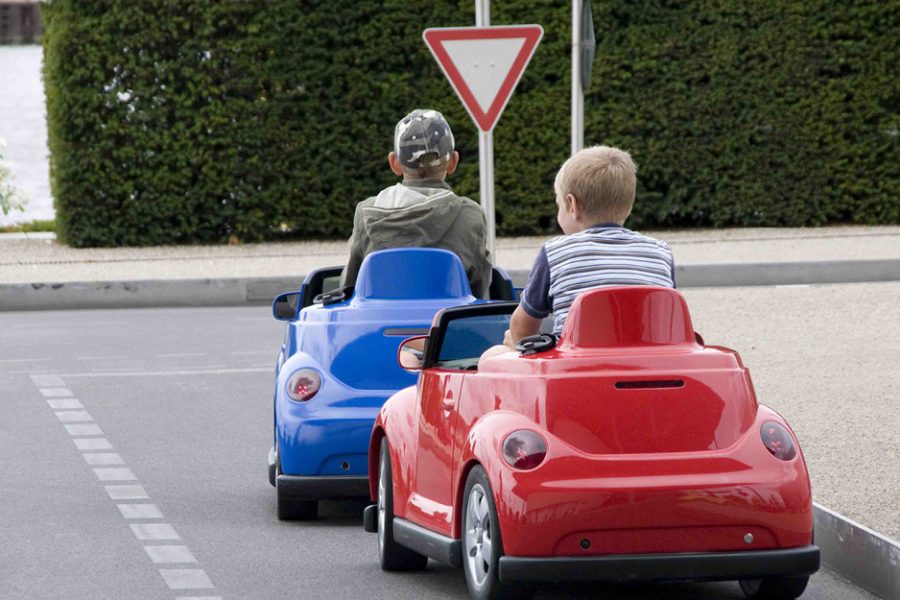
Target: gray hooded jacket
421 213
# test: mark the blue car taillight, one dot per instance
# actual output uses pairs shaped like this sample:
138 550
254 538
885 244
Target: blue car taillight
303 385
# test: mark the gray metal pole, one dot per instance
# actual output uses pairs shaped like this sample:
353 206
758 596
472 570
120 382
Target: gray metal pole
577 92
486 147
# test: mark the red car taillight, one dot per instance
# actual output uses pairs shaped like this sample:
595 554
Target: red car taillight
524 449
303 385
777 440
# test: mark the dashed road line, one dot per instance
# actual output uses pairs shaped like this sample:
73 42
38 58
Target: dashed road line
126 492
109 469
74 416
203 371
64 403
170 554
155 531
114 474
103 458
55 392
25 360
186 579
83 429
140 511
47 381
92 444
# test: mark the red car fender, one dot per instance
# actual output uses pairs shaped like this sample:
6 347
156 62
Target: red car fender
397 422
483 447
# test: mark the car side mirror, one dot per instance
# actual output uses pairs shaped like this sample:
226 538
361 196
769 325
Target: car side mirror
284 307
411 353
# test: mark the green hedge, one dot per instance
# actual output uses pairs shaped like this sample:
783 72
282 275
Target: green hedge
184 122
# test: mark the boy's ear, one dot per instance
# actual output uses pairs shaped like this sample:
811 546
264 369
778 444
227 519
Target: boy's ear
454 161
574 206
396 169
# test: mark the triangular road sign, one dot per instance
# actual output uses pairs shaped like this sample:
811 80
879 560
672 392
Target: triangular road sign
483 64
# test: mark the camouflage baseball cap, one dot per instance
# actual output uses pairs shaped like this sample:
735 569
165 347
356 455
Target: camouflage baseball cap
423 139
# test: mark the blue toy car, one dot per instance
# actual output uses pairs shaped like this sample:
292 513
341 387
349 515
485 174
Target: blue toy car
338 365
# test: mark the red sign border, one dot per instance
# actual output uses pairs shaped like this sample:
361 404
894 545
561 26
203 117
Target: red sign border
435 37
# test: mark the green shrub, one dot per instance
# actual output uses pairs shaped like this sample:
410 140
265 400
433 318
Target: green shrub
186 122
10 198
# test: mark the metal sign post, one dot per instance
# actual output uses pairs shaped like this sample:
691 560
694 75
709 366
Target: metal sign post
486 149
577 92
583 48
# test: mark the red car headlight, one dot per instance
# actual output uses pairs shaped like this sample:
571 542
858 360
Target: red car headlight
777 440
303 385
524 449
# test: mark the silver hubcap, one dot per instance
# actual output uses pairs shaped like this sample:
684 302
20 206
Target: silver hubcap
381 508
479 546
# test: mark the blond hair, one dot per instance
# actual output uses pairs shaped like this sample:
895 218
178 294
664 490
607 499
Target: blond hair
603 179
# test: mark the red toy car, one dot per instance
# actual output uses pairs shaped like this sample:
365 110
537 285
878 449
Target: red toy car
627 451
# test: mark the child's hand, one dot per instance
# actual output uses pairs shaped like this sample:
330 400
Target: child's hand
507 340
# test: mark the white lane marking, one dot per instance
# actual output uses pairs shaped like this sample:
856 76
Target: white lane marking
93 444
55 392
170 554
111 357
64 403
84 429
24 360
184 355
186 579
74 416
103 458
792 285
168 373
114 474
58 396
155 531
140 511
126 492
47 381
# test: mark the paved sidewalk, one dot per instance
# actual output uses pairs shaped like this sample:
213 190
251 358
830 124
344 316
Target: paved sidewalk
38 272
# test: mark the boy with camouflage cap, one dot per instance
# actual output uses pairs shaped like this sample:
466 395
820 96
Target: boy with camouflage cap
422 210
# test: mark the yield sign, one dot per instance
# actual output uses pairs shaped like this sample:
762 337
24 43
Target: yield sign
483 64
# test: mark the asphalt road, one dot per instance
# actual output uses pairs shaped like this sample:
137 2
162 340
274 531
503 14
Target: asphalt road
178 402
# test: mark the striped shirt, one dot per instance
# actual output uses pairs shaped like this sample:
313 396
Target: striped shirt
602 255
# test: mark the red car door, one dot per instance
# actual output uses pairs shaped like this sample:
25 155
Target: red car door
431 503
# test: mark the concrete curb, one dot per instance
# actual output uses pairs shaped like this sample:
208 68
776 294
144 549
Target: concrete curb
260 291
143 294
865 557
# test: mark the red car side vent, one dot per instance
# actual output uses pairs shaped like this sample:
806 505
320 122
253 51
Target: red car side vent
649 385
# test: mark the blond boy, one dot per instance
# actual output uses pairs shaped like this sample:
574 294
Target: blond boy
594 195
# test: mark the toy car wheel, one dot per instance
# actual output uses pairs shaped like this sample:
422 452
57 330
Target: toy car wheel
393 556
774 588
482 544
291 509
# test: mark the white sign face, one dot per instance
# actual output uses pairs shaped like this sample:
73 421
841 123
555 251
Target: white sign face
484 65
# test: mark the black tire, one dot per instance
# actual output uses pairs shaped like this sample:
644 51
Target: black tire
291 509
774 588
391 555
482 545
